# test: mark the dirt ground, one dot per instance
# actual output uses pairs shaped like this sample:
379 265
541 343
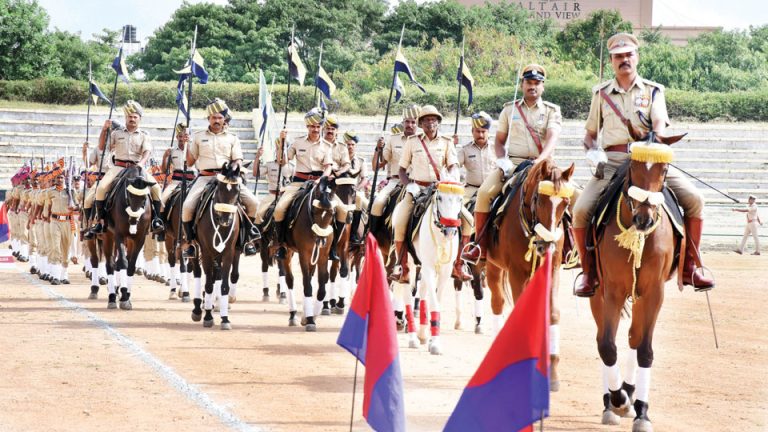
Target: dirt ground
70 364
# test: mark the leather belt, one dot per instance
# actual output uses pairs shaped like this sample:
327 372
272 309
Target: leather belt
474 186
208 173
393 177
59 217
179 176
305 176
620 148
124 163
273 192
422 183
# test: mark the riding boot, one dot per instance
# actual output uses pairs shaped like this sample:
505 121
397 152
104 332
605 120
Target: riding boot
252 236
476 251
189 232
403 276
280 229
354 236
458 265
99 226
157 222
589 276
373 223
337 227
699 281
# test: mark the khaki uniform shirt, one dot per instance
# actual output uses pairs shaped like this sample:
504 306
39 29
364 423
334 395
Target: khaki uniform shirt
392 151
129 146
441 148
176 158
211 150
94 159
478 162
542 116
340 156
16 193
59 201
44 200
271 169
358 165
311 156
643 99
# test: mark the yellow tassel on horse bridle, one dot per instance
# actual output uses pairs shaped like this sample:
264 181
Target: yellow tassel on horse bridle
634 241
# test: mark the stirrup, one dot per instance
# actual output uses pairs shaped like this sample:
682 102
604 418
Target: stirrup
471 253
250 249
189 252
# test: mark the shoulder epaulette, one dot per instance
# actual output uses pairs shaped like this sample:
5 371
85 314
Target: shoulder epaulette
653 84
551 105
601 86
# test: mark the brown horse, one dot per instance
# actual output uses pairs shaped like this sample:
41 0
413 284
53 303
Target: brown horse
531 224
310 238
339 283
636 256
179 283
128 222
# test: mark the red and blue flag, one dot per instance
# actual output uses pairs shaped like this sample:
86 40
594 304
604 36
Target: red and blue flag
369 334
4 223
510 389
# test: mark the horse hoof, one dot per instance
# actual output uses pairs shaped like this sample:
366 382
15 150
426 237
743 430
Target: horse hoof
631 412
112 305
610 418
185 298
435 349
325 312
400 325
93 296
172 295
265 298
337 310
232 299
126 305
197 316
479 329
102 281
283 299
311 327
623 410
293 322
208 323
226 326
554 386
642 425
303 321
457 325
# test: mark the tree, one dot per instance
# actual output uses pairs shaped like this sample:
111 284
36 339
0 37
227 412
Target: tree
26 50
580 40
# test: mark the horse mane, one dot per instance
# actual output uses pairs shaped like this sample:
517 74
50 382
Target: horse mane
544 170
322 189
229 173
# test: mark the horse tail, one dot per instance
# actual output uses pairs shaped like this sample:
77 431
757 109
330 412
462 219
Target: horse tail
506 289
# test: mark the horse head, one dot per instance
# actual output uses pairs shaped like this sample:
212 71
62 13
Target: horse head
345 190
547 194
645 180
136 191
321 211
226 195
446 208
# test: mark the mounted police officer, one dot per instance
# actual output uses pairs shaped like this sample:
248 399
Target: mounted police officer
208 151
529 127
359 170
314 160
173 162
642 102
420 152
341 164
129 146
272 171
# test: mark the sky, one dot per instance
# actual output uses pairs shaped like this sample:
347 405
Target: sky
91 16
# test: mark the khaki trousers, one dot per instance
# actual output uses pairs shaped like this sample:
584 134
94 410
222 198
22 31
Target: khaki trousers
196 191
109 177
403 212
61 237
382 196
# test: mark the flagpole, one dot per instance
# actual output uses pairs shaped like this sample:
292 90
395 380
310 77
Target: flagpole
108 138
458 97
87 137
173 136
377 153
317 75
281 153
189 117
354 388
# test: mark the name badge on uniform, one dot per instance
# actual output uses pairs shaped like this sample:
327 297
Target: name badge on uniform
302 150
472 156
205 140
642 101
541 119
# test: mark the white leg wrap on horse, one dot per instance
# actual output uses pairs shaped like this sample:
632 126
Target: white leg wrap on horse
224 305
111 283
232 289
554 339
198 285
209 299
265 280
94 279
318 308
198 288
172 279
643 386
88 266
478 308
217 291
612 376
630 372
129 282
102 269
123 278
166 270
308 307
331 287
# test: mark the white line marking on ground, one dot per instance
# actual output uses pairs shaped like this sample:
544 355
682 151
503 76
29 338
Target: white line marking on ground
166 372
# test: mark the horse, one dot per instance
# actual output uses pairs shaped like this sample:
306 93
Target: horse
309 237
128 223
530 225
179 280
436 245
345 190
477 283
98 268
635 256
218 229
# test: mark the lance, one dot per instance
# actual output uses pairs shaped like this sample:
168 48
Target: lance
107 139
377 152
87 137
599 170
189 117
458 96
173 136
317 75
281 151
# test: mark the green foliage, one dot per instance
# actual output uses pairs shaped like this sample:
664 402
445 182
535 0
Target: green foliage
26 52
581 40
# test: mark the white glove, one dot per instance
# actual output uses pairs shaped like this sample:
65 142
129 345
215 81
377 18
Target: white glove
505 165
595 156
413 189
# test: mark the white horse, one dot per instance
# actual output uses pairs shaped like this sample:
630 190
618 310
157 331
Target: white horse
436 244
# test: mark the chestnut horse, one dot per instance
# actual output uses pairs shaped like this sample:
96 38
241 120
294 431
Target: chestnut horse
636 256
531 224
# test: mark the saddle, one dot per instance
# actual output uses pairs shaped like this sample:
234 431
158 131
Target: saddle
606 209
420 205
501 202
268 217
117 184
389 208
305 191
